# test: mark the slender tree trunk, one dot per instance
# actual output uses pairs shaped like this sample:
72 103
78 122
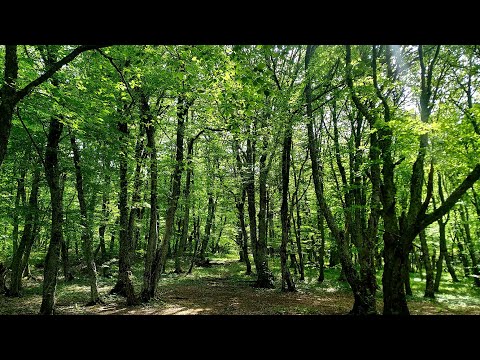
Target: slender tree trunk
264 275
124 285
196 236
186 214
20 258
222 226
316 166
469 243
52 174
321 252
103 226
241 218
87 237
161 255
153 228
208 227
112 237
287 280
16 210
429 286
140 154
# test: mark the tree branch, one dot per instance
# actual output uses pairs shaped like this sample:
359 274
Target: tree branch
53 69
40 156
451 200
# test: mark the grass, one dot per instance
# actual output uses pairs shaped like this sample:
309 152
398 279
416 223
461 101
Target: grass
225 289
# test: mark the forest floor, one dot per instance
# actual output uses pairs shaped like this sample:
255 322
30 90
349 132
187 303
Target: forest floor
224 289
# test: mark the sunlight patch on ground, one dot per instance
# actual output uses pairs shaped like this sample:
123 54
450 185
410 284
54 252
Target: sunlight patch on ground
331 290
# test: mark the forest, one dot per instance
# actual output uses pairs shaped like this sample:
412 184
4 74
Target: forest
239 179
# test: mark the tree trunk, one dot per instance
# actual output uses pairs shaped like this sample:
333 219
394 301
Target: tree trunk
443 243
160 257
112 237
429 286
208 227
186 214
196 232
321 252
287 280
316 166
137 180
8 99
244 244
264 275
52 174
20 258
153 228
406 276
103 226
124 285
87 237
470 245
16 210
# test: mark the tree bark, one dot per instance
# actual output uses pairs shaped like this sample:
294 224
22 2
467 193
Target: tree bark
186 214
87 237
21 256
208 227
153 227
124 285
20 193
264 275
244 244
161 254
287 280
469 243
52 174
429 285
140 155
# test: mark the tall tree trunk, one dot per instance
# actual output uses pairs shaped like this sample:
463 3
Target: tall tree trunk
321 252
469 243
103 224
314 158
208 227
16 210
8 99
21 256
287 280
463 257
52 174
443 243
87 237
264 275
429 286
161 254
140 155
196 238
153 228
244 244
124 285
186 214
